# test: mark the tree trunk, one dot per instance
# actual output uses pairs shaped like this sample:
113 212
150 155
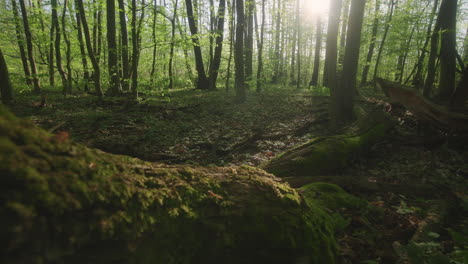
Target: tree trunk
392 4
113 67
51 54
153 35
20 41
329 74
344 25
418 81
231 42
299 36
260 51
216 62
69 84
102 208
460 96
29 45
249 41
6 90
58 53
404 56
448 22
370 52
343 99
202 82
89 47
277 52
124 39
171 52
84 61
431 63
318 48
239 53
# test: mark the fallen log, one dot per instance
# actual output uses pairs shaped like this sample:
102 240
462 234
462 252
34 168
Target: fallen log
331 153
423 109
61 202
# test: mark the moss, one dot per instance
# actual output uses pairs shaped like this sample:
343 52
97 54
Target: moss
324 155
62 202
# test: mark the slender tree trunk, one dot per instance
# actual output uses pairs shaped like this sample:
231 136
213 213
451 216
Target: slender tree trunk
329 74
135 46
293 52
401 67
318 47
239 53
260 51
370 52
202 82
231 42
29 45
249 41
216 62
448 22
124 40
344 96
277 54
113 67
6 90
51 54
431 64
392 4
188 66
84 61
418 81
299 35
58 53
89 47
171 53
344 25
20 41
67 49
153 35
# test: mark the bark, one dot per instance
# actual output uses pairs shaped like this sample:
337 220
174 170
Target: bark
344 25
94 207
69 84
231 42
58 53
84 61
404 56
299 34
392 4
329 74
239 53
20 41
216 62
51 55
113 67
171 52
431 64
318 47
418 81
136 42
277 52
89 47
460 95
153 35
30 49
249 40
124 39
202 80
6 89
343 99
448 22
260 50
370 52
423 109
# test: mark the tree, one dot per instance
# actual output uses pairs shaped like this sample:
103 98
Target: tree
29 45
20 41
344 95
331 53
216 62
260 40
6 90
114 84
124 40
448 22
239 53
370 52
318 47
58 53
89 47
392 4
202 80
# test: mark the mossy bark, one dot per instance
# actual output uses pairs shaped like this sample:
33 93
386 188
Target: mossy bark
61 202
328 154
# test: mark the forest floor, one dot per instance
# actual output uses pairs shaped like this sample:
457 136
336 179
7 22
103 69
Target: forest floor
419 182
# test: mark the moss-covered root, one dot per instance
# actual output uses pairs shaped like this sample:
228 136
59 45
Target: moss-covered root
64 203
325 154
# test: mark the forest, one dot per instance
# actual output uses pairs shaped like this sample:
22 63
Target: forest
234 131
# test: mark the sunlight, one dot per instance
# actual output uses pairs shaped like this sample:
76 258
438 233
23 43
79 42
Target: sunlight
316 7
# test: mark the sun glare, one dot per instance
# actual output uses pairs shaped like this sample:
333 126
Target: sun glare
316 7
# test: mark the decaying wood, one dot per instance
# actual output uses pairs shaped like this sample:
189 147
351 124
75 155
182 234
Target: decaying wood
423 109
